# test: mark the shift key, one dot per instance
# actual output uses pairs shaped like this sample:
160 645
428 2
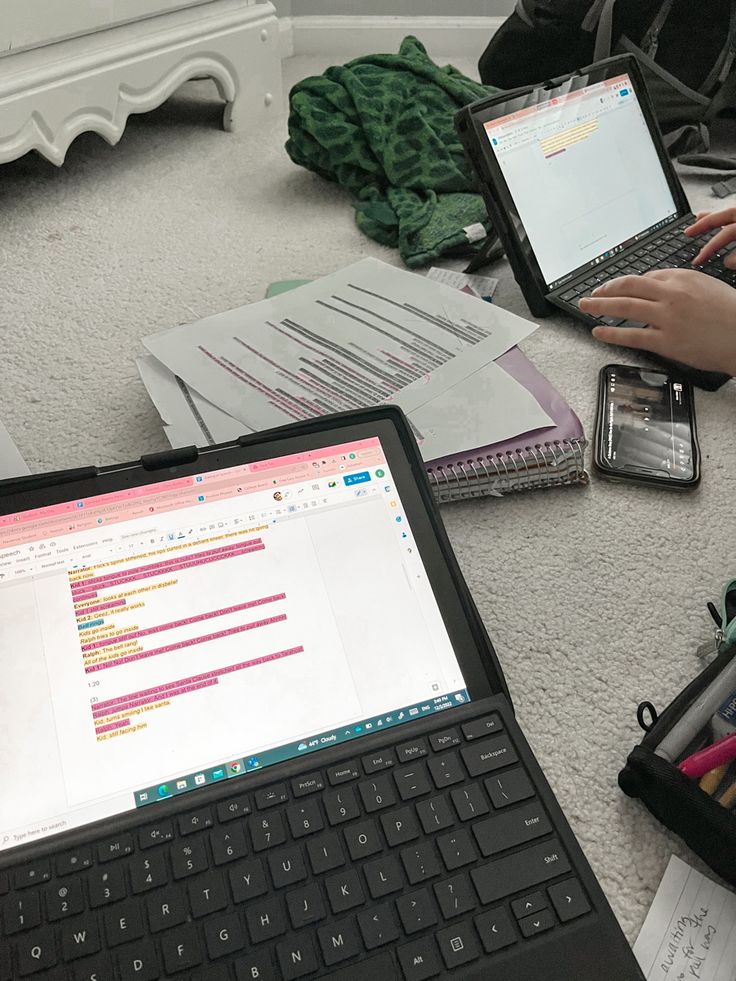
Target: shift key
520 871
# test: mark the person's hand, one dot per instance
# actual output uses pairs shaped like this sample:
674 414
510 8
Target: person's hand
706 222
692 316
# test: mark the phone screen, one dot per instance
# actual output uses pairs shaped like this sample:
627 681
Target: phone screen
645 425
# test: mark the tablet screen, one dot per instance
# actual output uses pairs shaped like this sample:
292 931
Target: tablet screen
173 635
584 174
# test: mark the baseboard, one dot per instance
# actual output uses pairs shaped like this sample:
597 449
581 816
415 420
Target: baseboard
351 35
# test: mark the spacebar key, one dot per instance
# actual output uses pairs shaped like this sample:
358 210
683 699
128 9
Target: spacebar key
520 871
382 967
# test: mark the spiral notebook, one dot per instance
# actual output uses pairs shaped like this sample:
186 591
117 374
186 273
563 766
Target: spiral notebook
550 457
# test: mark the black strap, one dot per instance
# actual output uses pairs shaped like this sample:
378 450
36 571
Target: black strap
724 63
525 11
708 161
724 189
650 42
592 18
601 13
725 98
604 35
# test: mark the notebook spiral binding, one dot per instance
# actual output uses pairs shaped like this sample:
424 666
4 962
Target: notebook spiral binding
554 464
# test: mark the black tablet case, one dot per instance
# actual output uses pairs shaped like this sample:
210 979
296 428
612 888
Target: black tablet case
534 295
591 947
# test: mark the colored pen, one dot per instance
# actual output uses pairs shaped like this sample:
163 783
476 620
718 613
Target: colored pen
695 719
711 781
700 763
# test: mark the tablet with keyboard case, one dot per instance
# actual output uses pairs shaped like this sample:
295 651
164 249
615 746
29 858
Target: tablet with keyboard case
253 728
580 189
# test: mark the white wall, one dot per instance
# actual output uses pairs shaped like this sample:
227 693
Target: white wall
329 26
450 8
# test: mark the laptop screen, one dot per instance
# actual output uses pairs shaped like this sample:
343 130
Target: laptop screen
584 175
169 636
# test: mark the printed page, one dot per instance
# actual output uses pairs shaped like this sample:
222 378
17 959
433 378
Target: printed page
350 340
189 419
469 403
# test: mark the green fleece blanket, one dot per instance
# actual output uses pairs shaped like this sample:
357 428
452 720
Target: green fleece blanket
382 127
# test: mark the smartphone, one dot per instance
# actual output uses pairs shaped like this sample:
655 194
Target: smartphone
645 429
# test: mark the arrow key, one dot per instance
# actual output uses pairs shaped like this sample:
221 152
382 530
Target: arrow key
569 900
535 902
533 925
496 930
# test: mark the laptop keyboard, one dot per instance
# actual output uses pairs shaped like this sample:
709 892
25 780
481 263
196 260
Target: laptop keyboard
409 862
671 250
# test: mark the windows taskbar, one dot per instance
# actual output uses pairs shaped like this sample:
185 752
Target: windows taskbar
242 766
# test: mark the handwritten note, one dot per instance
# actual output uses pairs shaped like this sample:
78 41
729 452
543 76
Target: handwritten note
690 931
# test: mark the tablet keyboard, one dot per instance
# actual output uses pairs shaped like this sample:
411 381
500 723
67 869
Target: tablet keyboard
412 861
671 250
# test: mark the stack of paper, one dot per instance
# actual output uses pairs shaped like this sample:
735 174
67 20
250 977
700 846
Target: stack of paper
365 335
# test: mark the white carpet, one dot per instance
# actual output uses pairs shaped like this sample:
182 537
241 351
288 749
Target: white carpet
595 598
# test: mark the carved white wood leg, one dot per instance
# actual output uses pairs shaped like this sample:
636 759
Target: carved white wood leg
258 95
49 95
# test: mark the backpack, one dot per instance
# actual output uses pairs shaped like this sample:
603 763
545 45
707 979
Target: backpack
687 55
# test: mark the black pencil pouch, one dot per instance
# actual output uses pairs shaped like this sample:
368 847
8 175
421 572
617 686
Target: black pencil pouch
703 823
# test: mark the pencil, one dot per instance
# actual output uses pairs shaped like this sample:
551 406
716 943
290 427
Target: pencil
728 797
709 782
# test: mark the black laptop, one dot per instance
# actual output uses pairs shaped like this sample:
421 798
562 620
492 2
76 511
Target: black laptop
253 729
580 189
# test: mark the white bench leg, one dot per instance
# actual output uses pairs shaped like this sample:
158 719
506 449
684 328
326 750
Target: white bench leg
49 95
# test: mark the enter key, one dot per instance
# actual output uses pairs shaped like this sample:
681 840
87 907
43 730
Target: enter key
512 828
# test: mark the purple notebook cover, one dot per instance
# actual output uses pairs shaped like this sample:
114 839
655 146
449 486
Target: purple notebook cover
567 425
